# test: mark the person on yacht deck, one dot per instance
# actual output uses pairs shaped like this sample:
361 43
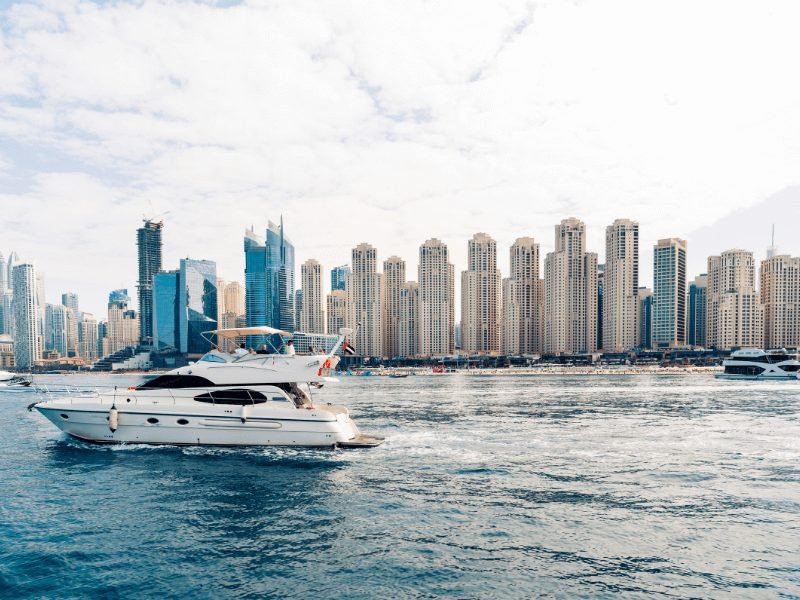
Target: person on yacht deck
290 348
240 351
263 349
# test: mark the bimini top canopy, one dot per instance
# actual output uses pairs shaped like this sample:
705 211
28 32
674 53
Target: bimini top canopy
242 331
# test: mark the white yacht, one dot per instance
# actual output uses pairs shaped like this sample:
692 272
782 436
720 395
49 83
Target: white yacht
755 364
225 399
8 379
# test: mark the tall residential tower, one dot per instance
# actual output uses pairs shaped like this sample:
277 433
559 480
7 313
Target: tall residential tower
436 299
363 288
620 286
312 316
480 297
523 300
669 293
780 295
27 331
734 315
394 277
570 305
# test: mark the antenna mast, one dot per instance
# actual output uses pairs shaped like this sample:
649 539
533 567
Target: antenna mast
771 250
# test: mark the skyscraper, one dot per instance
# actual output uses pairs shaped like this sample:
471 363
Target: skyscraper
394 277
570 305
735 316
27 332
436 300
312 319
409 319
41 300
103 343
70 300
234 298
269 279
197 304
6 312
480 297
258 305
166 320
523 310
364 288
13 259
338 275
298 307
696 325
87 337
337 311
669 293
123 323
601 276
56 327
148 241
220 298
509 332
644 318
780 295
620 286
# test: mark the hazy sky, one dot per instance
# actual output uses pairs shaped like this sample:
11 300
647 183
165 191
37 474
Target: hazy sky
390 123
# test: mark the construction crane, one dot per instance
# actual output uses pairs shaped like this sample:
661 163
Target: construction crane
147 219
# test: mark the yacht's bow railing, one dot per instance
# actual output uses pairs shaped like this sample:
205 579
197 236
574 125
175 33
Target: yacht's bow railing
112 395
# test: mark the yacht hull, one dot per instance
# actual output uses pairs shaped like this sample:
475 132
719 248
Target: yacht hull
200 430
730 377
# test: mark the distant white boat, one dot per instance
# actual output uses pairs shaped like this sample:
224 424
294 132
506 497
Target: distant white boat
8 379
757 364
225 399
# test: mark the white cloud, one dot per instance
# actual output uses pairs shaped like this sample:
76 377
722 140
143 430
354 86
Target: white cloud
385 122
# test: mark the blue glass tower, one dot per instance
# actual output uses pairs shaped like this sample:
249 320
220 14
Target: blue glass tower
165 311
269 279
696 334
197 304
119 297
255 279
337 277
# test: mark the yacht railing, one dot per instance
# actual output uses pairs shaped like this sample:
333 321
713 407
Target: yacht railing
126 396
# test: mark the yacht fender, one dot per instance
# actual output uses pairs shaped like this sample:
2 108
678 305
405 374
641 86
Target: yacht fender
244 414
113 419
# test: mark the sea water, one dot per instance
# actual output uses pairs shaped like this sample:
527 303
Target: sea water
498 486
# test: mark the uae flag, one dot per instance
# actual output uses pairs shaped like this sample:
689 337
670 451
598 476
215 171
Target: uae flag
348 349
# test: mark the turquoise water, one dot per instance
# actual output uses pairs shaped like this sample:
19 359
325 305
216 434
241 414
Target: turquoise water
673 486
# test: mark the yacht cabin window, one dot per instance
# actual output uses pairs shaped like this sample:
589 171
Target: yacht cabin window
175 382
233 397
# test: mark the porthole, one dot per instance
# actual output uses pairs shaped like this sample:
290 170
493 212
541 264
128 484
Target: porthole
128 400
63 416
183 422
152 420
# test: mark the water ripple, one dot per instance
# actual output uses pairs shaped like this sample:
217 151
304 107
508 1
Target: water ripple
488 487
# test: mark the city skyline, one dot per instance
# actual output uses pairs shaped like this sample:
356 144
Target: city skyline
93 292
579 306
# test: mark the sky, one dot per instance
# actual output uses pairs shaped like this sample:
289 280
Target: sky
391 123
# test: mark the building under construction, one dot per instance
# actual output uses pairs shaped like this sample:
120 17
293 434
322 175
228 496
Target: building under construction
148 240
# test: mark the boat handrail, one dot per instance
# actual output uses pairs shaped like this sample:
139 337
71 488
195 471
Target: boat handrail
125 396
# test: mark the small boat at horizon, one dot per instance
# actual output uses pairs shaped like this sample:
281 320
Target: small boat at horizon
9 379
